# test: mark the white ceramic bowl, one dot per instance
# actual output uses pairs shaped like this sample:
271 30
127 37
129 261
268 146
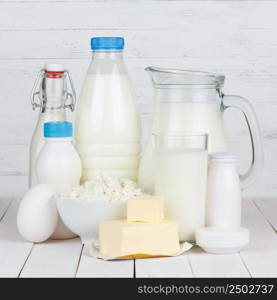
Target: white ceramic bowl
83 217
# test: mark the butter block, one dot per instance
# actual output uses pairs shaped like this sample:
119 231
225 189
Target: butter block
147 209
120 238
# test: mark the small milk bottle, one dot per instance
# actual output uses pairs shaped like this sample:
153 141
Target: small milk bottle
59 165
223 205
107 128
223 233
53 92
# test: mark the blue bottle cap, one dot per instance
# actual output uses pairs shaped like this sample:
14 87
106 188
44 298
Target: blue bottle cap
107 43
58 129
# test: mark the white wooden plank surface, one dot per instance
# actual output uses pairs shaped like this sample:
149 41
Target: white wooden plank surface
164 267
268 208
13 185
4 205
61 258
92 267
76 44
53 259
127 14
13 249
210 265
260 256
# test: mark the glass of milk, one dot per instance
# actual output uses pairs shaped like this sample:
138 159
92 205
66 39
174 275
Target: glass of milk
180 178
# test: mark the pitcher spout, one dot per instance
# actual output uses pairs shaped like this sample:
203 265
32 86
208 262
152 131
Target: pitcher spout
183 78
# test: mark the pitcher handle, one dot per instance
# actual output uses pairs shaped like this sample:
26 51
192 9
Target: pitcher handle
257 161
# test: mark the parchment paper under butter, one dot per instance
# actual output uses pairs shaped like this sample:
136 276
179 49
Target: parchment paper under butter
93 250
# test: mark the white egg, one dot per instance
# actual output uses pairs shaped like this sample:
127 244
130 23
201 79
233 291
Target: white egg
37 215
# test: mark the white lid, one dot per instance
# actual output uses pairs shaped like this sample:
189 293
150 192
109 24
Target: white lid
223 156
221 240
54 67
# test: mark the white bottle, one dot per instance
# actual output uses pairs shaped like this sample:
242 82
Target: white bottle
223 234
52 91
59 165
107 123
223 206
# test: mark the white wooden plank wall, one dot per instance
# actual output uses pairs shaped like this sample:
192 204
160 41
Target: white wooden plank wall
237 38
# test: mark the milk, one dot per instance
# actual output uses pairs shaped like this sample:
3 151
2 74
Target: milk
51 94
38 142
180 178
107 127
59 167
188 117
193 117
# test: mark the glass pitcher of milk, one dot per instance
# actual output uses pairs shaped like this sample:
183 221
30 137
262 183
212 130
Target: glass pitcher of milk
107 125
193 102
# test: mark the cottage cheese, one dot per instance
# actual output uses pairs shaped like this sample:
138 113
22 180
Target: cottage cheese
104 187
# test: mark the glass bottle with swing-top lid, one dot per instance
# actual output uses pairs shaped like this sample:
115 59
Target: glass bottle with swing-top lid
53 93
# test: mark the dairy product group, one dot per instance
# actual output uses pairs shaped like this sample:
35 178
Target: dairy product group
103 166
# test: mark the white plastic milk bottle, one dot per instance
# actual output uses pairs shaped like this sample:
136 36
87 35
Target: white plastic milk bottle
107 123
59 165
50 94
